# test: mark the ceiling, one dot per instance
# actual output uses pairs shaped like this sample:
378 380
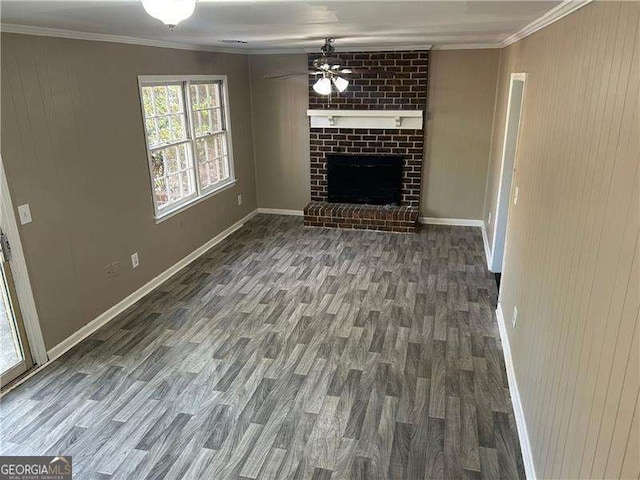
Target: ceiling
268 25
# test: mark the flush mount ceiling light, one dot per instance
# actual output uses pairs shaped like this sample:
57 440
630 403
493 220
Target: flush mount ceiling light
169 12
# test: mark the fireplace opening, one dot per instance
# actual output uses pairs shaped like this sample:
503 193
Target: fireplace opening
364 179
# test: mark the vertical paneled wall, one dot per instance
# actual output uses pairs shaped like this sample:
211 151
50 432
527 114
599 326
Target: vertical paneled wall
73 147
572 259
462 90
280 131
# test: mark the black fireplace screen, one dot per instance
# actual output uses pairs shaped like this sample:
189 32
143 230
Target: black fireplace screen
368 179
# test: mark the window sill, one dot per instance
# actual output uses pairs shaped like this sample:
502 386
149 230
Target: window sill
170 213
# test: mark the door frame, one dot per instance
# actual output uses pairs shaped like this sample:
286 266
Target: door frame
503 200
20 275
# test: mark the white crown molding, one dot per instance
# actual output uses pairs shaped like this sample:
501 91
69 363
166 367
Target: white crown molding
347 49
101 37
467 46
553 15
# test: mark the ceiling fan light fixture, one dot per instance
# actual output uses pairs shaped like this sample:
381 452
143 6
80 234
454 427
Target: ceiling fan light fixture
340 83
323 86
169 12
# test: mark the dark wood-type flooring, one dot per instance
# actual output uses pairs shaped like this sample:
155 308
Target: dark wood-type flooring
289 353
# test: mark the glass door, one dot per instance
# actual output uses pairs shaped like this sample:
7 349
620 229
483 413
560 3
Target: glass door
15 357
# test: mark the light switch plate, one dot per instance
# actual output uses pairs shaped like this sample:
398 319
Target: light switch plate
515 196
135 261
240 199
25 214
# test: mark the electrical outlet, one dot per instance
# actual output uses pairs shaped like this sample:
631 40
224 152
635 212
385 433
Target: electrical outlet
489 220
24 213
515 196
240 199
112 270
514 318
135 261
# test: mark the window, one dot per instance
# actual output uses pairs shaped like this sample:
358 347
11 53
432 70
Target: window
188 139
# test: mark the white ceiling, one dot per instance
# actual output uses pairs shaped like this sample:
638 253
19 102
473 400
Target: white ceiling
293 24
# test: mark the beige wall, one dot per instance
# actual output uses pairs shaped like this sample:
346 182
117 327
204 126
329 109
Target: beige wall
461 100
73 148
572 260
281 131
462 89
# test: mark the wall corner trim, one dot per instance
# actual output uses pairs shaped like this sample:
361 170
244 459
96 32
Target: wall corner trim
560 11
523 435
458 222
132 298
280 211
487 248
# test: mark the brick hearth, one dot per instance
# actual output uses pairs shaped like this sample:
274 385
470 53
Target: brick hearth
405 90
385 218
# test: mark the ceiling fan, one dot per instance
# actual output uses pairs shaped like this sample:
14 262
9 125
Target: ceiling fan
330 69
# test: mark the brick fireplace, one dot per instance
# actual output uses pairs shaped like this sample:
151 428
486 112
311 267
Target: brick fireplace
382 100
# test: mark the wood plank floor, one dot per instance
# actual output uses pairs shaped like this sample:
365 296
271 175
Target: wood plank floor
289 353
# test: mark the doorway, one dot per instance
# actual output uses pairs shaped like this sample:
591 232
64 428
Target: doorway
15 354
509 149
21 343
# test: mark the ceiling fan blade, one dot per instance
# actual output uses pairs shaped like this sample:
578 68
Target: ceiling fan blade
291 75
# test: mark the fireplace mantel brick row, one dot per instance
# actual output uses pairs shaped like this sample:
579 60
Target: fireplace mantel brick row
406 90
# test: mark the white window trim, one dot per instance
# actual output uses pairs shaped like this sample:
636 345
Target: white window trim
146 80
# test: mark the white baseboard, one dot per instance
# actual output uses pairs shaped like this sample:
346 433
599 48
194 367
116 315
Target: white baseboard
281 211
523 435
460 222
125 303
487 248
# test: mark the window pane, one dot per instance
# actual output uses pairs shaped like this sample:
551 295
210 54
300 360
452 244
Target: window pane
175 99
157 164
205 95
180 186
147 102
160 191
202 122
211 147
170 160
152 132
223 167
209 174
203 173
171 129
173 174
